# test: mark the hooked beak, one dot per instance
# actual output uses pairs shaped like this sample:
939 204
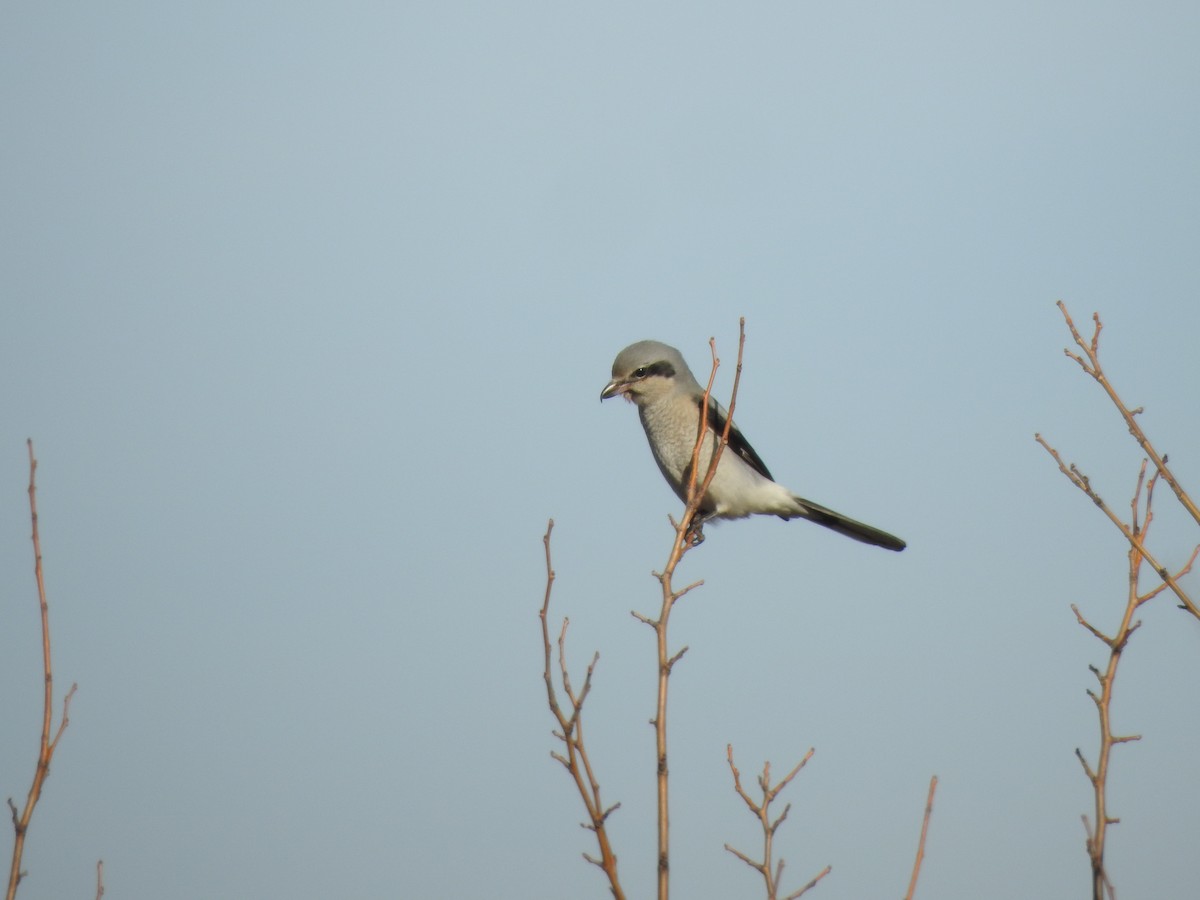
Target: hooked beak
613 388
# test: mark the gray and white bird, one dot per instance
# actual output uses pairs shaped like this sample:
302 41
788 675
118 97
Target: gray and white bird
669 401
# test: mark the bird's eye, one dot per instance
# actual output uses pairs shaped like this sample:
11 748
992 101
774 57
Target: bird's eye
639 372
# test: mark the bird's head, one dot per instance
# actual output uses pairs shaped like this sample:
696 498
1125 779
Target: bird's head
645 371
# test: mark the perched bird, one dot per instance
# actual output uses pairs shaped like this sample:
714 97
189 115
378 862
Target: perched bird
669 401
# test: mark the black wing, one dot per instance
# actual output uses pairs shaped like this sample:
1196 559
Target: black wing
737 441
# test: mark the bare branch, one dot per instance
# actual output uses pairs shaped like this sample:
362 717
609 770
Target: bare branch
825 871
1088 625
1135 531
724 442
1142 515
48 745
758 867
688 534
576 760
1094 369
770 873
678 656
1082 482
912 884
1087 770
1166 583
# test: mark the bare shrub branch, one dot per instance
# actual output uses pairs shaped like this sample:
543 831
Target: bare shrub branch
1091 365
48 744
688 534
1135 532
770 870
1098 776
1169 580
570 732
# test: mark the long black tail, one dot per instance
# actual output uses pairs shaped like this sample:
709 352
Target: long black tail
835 521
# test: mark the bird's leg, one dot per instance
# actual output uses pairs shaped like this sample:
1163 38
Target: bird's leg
695 532
695 535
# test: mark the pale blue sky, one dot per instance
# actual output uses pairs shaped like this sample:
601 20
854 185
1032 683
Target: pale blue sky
308 307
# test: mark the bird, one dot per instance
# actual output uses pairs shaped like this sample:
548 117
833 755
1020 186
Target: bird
670 400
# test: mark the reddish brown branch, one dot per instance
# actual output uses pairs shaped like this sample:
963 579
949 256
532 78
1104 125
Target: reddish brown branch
1091 365
695 498
1136 533
1084 484
688 534
770 870
1098 776
48 744
916 872
575 759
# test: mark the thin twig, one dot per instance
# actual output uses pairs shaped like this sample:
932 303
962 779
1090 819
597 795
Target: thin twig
916 872
48 745
570 733
825 871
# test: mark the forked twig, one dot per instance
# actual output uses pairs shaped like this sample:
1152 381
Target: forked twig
696 497
1084 484
570 733
770 870
1091 350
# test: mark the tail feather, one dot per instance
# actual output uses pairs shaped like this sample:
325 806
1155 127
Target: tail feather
851 528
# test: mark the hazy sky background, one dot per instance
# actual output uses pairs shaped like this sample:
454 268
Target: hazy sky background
308 307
